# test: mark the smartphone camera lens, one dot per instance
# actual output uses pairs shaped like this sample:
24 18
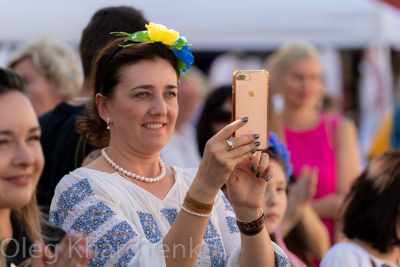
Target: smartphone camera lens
241 77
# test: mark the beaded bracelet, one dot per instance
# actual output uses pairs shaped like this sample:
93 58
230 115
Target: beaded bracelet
195 213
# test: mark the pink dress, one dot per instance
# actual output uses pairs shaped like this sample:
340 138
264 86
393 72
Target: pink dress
315 147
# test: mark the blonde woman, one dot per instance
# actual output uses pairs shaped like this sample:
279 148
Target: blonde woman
51 71
316 139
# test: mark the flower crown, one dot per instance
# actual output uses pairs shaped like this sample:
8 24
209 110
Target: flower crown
170 38
280 149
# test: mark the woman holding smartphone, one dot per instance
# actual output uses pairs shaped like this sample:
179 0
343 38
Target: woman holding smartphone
135 209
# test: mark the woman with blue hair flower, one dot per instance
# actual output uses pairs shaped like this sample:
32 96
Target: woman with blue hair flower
137 211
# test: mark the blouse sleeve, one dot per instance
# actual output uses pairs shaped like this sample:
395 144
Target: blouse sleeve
231 235
113 239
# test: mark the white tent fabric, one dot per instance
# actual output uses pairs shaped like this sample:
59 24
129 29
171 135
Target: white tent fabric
217 25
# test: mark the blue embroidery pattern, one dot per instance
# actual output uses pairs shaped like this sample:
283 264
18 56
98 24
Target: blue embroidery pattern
216 249
111 242
125 259
227 204
95 216
233 228
68 199
281 261
150 227
170 215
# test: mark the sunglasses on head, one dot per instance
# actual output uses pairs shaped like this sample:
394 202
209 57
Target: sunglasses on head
221 115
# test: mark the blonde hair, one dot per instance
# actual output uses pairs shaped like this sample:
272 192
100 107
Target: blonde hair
290 52
57 61
31 219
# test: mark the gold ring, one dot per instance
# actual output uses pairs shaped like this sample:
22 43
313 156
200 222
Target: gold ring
230 144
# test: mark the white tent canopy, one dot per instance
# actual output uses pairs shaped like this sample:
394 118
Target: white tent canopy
217 25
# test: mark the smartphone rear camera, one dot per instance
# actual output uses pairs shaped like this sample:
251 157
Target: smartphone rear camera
241 77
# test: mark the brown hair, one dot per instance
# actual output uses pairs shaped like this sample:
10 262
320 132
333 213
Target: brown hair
106 75
97 35
372 206
10 81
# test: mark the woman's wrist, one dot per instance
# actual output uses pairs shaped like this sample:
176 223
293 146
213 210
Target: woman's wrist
253 226
202 193
248 214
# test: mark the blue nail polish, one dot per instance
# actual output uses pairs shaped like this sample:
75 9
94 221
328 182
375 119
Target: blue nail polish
245 119
253 167
256 136
257 143
253 151
267 178
258 174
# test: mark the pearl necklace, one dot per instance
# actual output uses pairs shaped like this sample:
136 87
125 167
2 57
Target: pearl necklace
133 175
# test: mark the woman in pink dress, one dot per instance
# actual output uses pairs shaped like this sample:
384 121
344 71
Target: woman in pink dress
324 142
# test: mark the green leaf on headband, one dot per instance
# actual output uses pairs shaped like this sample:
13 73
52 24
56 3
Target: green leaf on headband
179 44
138 37
119 34
180 64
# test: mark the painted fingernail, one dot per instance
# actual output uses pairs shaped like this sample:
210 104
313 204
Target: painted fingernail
253 167
256 136
257 143
245 119
253 151
258 174
267 178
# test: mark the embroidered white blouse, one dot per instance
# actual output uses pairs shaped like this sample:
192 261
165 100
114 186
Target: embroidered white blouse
352 255
126 224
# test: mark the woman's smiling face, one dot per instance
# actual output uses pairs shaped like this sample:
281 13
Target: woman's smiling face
21 155
144 107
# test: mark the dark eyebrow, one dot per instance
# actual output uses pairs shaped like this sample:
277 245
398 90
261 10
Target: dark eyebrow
8 132
34 129
149 86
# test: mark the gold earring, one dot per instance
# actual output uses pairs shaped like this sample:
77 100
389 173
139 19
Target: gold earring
108 122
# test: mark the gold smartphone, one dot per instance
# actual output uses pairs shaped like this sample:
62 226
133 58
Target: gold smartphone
250 99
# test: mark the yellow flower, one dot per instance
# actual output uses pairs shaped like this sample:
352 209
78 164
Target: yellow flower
160 33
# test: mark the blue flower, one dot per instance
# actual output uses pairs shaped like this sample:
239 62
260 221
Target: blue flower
280 149
182 52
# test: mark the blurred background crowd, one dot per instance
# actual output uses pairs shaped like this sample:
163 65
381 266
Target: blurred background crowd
358 41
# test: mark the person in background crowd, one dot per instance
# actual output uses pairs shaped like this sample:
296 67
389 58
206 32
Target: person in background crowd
24 234
216 114
63 148
315 138
51 72
181 150
371 217
139 205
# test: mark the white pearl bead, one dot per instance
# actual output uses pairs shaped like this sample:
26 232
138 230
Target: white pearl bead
133 175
